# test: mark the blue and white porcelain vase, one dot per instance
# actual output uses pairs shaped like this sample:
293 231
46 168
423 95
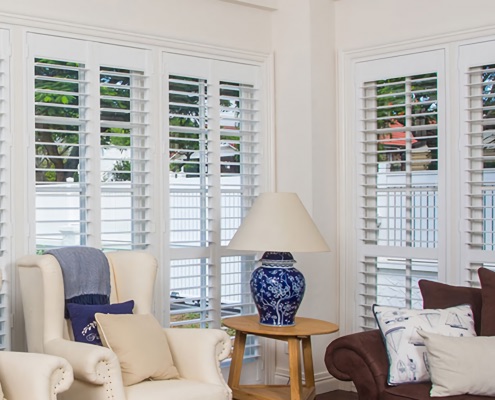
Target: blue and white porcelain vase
277 288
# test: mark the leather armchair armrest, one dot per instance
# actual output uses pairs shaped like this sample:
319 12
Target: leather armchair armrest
360 358
33 375
94 364
197 353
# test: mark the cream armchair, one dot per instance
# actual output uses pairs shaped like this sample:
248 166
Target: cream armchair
196 352
33 376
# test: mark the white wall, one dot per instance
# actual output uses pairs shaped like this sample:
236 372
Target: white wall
306 153
201 21
364 23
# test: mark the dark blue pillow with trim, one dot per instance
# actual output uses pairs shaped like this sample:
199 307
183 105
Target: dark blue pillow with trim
82 318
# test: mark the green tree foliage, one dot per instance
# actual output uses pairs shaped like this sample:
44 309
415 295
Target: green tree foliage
188 120
60 111
57 97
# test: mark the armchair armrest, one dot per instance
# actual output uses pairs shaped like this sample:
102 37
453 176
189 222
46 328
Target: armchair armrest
33 375
197 353
94 364
361 358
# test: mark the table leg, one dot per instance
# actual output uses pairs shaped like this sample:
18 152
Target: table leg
294 369
309 373
236 362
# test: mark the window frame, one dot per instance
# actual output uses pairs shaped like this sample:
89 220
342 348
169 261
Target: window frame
160 215
92 56
452 251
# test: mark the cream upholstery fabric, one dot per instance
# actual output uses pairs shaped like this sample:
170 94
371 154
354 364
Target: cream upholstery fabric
33 376
196 352
460 365
140 344
176 389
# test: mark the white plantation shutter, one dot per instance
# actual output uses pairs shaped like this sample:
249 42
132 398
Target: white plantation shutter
125 151
239 150
91 141
5 205
477 65
188 143
214 144
239 168
399 174
190 220
60 92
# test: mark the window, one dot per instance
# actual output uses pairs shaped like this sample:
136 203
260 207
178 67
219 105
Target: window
425 172
132 148
215 167
99 152
92 145
399 176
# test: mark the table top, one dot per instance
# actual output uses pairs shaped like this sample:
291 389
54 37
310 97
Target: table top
303 326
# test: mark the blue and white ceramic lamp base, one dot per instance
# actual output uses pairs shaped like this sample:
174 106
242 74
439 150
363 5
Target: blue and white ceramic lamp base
277 288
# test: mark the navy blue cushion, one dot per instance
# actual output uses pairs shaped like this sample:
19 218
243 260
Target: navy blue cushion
82 318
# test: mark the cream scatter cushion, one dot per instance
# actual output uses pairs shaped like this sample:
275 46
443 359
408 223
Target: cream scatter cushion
140 344
460 365
405 348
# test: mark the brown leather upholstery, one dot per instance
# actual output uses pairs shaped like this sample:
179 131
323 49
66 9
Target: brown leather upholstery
362 357
441 295
487 280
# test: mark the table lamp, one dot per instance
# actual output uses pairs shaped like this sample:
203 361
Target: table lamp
278 224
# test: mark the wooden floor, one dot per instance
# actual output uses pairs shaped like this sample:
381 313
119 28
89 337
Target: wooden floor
337 395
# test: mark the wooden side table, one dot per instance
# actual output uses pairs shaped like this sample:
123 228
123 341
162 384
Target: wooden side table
300 332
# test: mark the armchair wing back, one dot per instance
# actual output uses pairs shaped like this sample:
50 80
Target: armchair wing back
97 370
132 277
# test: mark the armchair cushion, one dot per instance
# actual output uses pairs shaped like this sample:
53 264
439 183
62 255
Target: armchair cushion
82 318
140 344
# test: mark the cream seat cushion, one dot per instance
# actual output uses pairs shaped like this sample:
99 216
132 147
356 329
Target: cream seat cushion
177 389
140 344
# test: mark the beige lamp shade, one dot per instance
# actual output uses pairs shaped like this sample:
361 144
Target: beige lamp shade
278 222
